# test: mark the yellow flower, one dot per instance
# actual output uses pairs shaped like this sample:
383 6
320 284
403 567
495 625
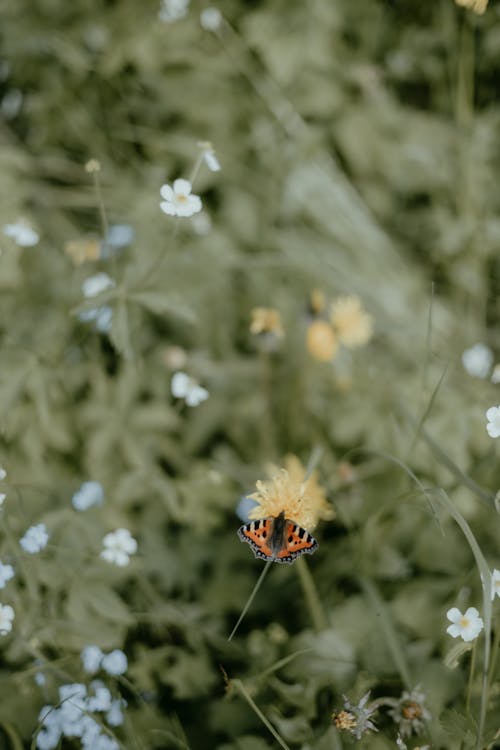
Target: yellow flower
266 320
344 720
353 325
83 250
302 501
321 341
478 6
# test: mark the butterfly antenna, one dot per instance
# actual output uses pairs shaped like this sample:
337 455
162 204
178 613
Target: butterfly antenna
250 598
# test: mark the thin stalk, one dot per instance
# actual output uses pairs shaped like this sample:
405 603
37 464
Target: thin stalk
311 595
251 598
471 678
494 655
241 688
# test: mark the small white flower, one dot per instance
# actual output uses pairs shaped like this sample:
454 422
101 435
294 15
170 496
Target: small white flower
477 360
3 473
178 200
115 717
182 386
91 657
48 737
35 539
211 19
201 223
22 234
94 285
467 626
118 545
2 498
115 663
89 494
101 316
40 679
6 616
493 417
495 375
209 156
101 700
6 573
495 583
173 10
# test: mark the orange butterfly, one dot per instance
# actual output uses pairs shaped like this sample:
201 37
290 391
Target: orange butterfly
277 538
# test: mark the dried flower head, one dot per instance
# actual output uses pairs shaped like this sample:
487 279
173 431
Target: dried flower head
478 6
356 719
266 320
302 501
93 165
353 325
321 341
410 712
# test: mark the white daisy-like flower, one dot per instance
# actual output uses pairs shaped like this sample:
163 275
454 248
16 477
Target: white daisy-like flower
35 539
495 375
210 19
91 657
478 360
182 386
118 546
493 417
96 284
3 473
7 614
173 10
115 663
6 573
89 494
178 199
467 626
22 234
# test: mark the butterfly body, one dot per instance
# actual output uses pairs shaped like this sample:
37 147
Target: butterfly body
278 539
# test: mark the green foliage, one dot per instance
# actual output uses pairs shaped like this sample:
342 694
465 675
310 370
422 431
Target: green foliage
359 153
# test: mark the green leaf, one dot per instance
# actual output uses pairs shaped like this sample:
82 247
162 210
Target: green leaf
164 303
120 330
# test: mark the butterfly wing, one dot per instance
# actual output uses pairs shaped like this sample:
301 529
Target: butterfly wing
296 541
258 535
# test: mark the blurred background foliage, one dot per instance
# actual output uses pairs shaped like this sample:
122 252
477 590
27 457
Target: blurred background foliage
359 152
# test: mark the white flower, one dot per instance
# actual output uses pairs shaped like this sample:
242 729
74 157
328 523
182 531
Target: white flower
114 717
495 583
101 700
91 657
477 360
182 386
118 545
22 234
94 285
467 626
102 316
173 10
89 494
495 375
3 473
6 616
115 663
210 19
178 200
209 156
6 573
48 737
40 679
2 498
201 223
35 539
493 417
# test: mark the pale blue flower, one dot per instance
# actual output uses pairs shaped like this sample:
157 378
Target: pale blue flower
89 494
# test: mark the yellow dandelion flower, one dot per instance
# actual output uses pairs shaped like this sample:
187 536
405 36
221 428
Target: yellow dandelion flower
266 320
321 341
478 6
303 502
353 325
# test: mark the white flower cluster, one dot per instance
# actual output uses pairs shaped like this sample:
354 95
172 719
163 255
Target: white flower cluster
118 546
35 539
72 717
173 10
182 386
22 234
493 425
6 617
93 659
477 360
89 495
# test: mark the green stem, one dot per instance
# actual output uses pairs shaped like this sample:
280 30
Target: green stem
494 655
241 688
471 677
251 598
311 595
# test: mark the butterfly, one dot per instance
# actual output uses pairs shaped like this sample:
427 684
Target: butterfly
278 539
